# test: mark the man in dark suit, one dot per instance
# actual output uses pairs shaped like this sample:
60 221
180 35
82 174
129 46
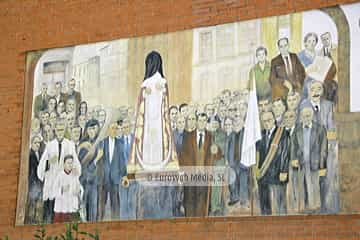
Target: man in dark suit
273 166
287 72
41 100
128 188
34 206
110 171
73 94
233 155
290 119
309 150
174 112
330 83
198 151
89 154
179 133
59 95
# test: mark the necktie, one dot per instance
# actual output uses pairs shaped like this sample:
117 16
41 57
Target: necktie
288 68
316 108
200 140
268 135
43 103
59 152
237 148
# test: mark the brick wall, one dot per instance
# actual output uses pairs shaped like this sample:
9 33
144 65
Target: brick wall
35 24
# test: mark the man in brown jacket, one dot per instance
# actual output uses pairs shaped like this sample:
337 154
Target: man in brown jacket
198 150
287 72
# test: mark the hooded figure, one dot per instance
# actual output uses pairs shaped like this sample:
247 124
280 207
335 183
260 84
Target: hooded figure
153 148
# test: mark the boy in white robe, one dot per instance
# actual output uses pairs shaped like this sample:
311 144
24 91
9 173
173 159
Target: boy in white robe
68 193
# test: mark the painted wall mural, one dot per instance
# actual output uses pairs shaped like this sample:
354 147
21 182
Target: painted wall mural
227 120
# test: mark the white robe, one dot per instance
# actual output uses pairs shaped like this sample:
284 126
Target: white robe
153 122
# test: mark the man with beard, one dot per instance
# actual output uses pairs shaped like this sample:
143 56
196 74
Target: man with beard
198 151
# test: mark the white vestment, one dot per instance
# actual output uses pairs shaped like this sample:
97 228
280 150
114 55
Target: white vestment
153 122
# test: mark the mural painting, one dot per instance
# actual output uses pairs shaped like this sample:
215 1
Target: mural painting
227 120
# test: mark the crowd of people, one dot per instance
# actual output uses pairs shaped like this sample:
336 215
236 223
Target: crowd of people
78 158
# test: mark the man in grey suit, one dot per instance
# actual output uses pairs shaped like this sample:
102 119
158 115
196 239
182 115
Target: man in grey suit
309 151
41 100
290 119
323 109
323 114
72 94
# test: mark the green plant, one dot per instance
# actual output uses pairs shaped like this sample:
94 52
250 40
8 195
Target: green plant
71 233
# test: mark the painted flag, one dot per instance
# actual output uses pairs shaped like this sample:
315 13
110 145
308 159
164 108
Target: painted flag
252 131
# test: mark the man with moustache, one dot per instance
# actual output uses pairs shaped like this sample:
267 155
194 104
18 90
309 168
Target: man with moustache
322 108
323 115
